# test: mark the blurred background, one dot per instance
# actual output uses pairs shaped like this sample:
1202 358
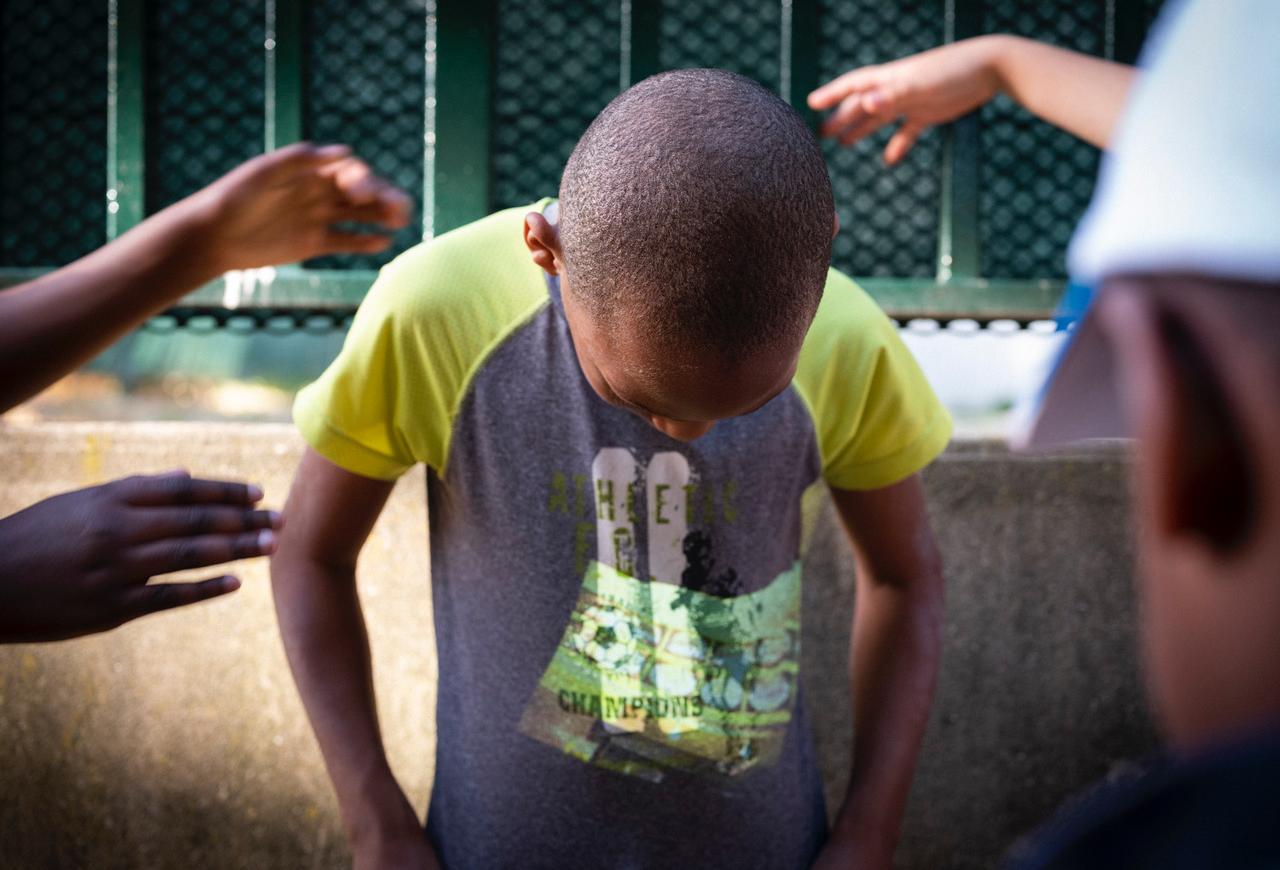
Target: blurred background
112 109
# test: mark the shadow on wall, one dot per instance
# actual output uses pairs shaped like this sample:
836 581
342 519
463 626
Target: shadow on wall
160 749
179 741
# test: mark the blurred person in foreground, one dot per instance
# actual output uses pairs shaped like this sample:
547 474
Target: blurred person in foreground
80 562
1180 349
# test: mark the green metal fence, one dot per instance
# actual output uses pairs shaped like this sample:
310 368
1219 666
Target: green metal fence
111 110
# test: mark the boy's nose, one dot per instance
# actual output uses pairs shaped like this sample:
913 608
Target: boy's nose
681 430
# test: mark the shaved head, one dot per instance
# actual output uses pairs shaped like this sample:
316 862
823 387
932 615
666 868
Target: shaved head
697 210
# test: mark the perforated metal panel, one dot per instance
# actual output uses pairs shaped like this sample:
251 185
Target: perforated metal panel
204 93
557 66
745 37
1036 180
518 83
888 217
53 118
365 86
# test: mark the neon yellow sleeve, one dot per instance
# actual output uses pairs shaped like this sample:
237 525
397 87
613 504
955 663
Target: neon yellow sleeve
428 323
877 419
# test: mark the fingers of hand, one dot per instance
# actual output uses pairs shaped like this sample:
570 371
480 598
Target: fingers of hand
396 206
901 142
180 488
376 212
861 130
303 155
142 600
847 114
860 115
355 181
199 551
159 523
841 87
341 242
356 185
879 102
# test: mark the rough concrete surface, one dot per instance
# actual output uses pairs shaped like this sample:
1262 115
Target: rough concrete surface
178 741
1039 693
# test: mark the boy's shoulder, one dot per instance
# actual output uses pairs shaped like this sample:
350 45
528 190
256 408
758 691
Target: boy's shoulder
425 328
876 417
479 273
848 324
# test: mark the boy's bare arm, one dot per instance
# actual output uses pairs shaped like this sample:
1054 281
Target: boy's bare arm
275 208
1083 95
313 573
895 651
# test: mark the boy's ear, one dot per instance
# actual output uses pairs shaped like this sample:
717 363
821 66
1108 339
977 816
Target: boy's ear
1197 472
543 241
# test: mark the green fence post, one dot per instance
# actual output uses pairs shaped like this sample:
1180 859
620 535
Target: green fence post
641 26
959 254
125 130
1126 30
427 218
282 50
463 87
799 67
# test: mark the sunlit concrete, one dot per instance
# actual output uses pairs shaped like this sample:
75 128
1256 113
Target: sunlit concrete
178 741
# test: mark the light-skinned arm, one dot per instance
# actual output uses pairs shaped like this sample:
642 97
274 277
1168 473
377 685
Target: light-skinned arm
276 208
894 656
313 574
1083 95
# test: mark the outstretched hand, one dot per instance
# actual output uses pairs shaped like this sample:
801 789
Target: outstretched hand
79 563
283 206
922 90
1081 94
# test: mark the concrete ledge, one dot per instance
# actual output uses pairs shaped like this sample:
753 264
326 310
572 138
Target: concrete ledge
1039 694
178 741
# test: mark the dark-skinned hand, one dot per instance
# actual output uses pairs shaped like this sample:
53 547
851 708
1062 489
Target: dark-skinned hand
80 562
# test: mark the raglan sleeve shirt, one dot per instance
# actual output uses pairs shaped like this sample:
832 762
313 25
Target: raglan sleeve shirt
435 312
389 400
876 418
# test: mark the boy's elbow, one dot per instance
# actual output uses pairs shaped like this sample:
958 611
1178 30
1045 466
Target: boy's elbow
298 563
300 560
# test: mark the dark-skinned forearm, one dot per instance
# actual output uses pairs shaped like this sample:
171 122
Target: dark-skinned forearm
325 640
59 321
895 652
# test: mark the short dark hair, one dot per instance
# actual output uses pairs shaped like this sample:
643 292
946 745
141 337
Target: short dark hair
699 202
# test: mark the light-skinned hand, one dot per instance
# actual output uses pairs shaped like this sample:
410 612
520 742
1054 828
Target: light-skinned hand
922 90
1081 94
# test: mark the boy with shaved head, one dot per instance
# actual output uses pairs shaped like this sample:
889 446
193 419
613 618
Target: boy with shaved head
623 440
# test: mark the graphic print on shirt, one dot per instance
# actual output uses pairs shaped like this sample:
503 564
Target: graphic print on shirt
675 671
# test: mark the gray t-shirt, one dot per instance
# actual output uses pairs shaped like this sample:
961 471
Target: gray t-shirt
617 613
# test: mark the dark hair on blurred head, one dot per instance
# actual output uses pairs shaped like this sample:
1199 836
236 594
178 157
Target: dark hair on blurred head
697 207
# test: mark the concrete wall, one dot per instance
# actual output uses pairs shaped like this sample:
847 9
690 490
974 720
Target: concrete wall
178 741
1039 693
